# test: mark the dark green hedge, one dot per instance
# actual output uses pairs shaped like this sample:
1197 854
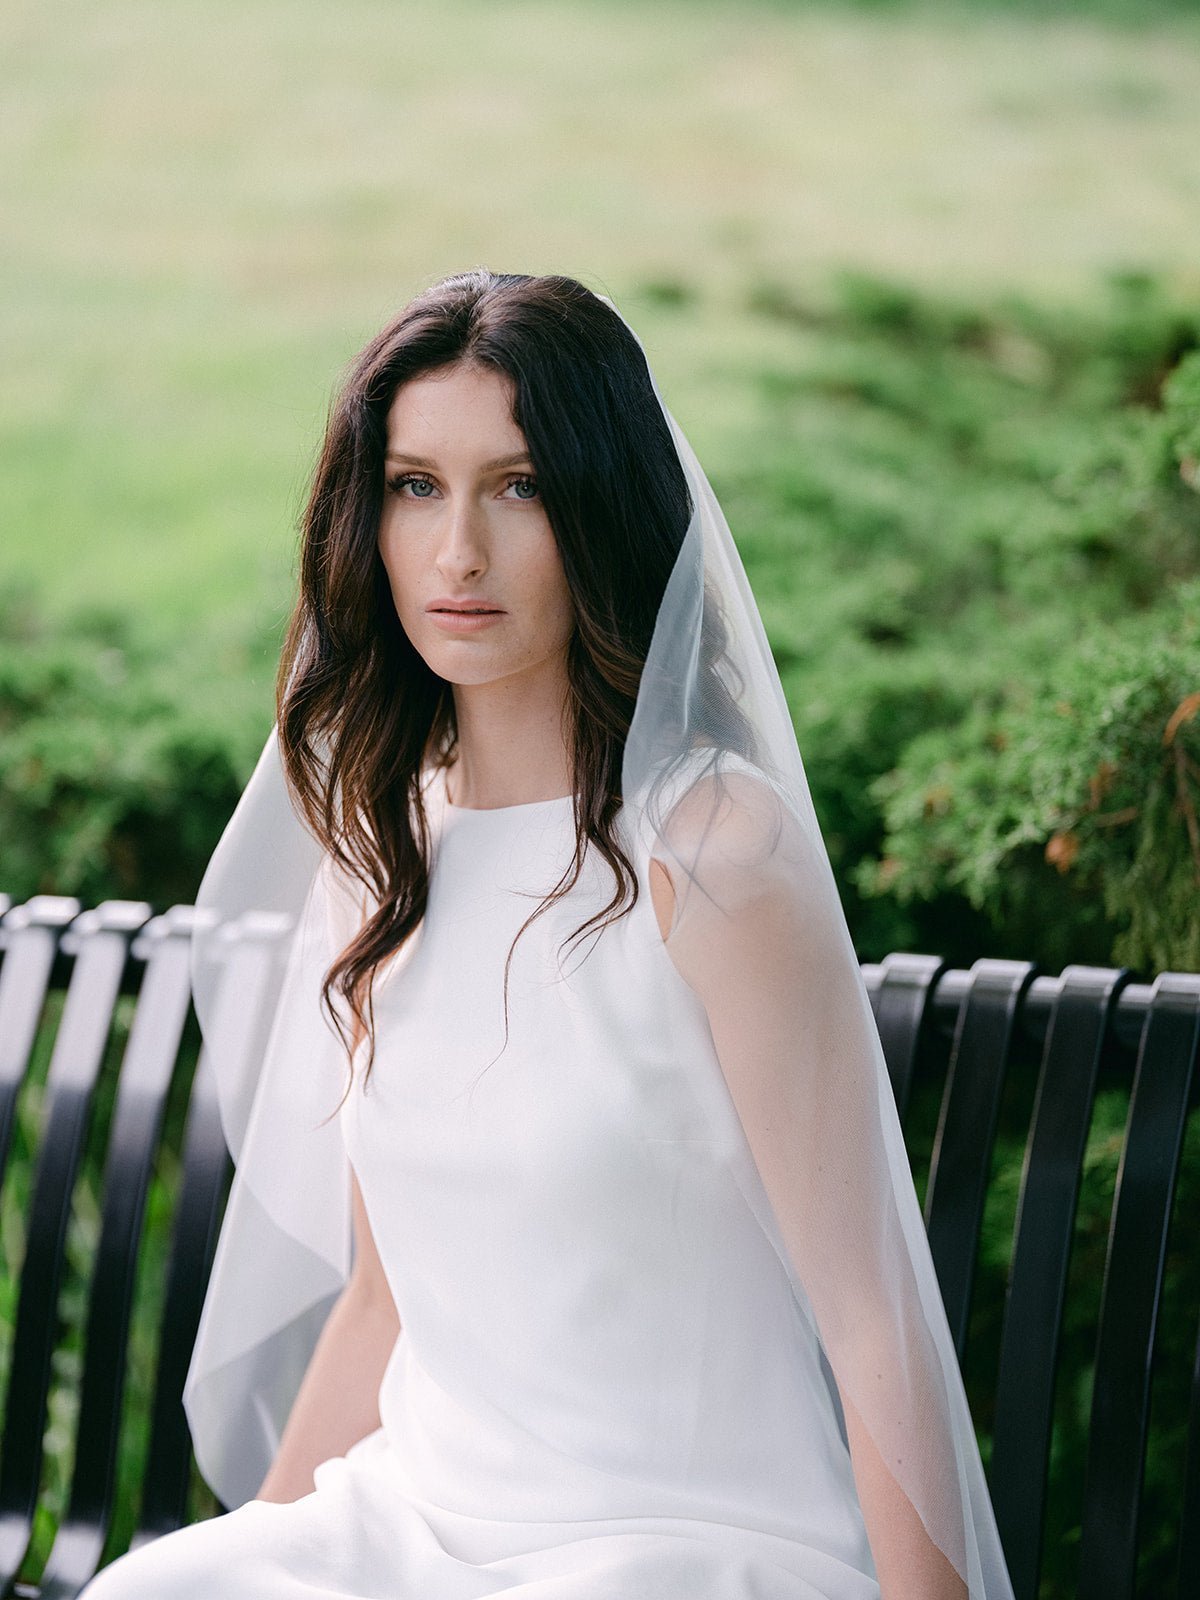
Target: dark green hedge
960 520
115 777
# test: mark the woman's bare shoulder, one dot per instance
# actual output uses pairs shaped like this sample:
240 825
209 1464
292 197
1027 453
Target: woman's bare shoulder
719 805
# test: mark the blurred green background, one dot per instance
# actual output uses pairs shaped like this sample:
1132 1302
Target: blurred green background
922 284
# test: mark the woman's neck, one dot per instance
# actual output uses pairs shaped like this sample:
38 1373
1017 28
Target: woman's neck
512 745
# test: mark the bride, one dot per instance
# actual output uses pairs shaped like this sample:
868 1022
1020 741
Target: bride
572 1249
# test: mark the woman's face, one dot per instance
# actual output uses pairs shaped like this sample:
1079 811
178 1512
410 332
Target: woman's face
462 524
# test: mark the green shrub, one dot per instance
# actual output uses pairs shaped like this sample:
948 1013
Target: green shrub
1091 776
945 504
114 780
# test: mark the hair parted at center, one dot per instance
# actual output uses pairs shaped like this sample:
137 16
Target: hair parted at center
360 715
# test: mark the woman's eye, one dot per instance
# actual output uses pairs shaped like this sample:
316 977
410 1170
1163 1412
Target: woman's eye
420 485
423 488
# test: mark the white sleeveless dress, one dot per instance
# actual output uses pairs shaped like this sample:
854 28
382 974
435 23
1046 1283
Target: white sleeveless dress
603 1388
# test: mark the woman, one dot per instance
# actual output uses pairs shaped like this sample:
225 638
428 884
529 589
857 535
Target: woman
607 1278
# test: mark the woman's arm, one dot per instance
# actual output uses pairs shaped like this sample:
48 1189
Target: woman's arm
338 1400
792 1048
908 1564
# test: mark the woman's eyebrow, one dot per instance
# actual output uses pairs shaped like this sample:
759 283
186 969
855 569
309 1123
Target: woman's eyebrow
520 458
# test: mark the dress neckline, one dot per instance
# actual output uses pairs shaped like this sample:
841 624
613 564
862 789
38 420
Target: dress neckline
500 811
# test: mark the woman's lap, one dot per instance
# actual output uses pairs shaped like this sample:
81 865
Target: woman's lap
326 1542
199 1560
358 1536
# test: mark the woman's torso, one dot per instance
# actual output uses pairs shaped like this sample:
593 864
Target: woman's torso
594 1324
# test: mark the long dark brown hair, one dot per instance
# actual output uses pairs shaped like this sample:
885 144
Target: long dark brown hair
361 717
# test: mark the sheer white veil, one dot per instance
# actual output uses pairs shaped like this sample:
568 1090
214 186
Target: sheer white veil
714 784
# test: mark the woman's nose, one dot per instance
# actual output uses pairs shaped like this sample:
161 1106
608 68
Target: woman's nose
462 545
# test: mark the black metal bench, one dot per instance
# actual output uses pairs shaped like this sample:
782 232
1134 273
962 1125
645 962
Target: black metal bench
102 1090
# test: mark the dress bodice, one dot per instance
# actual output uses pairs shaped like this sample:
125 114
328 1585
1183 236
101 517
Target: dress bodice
589 1309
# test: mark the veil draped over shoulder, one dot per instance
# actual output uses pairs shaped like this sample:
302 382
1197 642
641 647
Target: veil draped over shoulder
715 784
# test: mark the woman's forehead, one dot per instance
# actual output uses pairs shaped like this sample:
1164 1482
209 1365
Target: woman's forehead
447 406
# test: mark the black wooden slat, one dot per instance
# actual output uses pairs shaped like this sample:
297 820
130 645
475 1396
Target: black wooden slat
142 1090
1038 1275
99 944
946 1002
900 1000
1189 1536
29 935
962 1150
204 1185
1132 1287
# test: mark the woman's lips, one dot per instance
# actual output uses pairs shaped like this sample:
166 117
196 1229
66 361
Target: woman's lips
463 621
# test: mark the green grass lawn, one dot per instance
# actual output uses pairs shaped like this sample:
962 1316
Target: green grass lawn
208 207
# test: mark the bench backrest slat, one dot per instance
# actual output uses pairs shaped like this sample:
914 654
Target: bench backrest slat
99 947
204 1179
1038 1274
1189 1536
1133 1273
962 1151
900 996
142 1089
31 934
